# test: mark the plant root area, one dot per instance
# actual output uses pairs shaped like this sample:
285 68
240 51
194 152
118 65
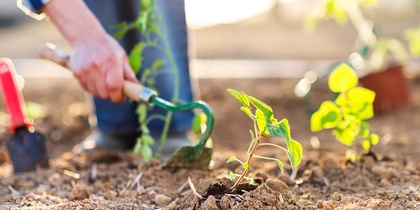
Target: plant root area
388 177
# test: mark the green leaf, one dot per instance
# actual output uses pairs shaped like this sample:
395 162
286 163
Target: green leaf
158 63
328 116
141 111
146 4
121 28
231 175
261 122
364 133
146 153
147 139
196 124
316 121
267 110
336 10
361 102
294 152
231 159
280 165
240 97
365 144
346 133
136 57
144 129
246 166
137 147
342 79
360 94
248 112
373 138
142 21
364 124
146 74
280 129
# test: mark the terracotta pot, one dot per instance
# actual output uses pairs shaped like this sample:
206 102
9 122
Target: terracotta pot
391 88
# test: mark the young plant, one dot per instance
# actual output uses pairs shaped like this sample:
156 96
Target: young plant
347 114
147 23
265 125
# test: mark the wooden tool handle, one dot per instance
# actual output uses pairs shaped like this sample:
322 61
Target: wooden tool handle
134 91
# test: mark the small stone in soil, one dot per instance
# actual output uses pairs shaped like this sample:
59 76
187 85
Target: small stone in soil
80 192
383 172
210 203
111 195
162 200
277 185
337 197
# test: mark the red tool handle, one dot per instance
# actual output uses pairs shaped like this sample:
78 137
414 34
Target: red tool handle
12 96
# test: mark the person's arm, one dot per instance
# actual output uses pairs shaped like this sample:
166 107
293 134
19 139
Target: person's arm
97 60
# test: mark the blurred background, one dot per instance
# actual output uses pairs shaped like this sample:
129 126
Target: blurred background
245 32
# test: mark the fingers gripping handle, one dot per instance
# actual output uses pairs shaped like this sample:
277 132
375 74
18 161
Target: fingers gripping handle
134 91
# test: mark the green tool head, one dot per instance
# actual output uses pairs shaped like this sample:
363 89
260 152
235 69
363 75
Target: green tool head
199 156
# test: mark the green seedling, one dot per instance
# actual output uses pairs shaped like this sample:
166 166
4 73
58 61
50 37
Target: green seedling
346 115
154 37
265 125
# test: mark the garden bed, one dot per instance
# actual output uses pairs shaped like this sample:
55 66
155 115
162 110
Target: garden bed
389 178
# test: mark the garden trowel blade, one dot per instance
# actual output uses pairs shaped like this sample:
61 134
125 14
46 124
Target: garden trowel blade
27 150
182 158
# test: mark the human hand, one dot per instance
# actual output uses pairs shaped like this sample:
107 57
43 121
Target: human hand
97 60
101 65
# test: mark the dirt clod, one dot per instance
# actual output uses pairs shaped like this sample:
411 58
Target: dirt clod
286 179
210 204
80 192
383 172
111 195
337 197
162 200
277 185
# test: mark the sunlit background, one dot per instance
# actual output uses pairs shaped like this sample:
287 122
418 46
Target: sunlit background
245 32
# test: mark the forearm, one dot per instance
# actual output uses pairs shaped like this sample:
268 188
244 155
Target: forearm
73 19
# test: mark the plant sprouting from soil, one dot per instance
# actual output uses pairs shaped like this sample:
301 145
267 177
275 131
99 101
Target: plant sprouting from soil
154 37
265 125
347 114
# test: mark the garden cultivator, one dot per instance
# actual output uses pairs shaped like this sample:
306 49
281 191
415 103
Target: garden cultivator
197 157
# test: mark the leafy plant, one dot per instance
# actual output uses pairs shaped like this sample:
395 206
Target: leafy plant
346 115
147 23
265 125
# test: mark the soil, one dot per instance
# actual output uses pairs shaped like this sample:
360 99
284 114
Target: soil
388 178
